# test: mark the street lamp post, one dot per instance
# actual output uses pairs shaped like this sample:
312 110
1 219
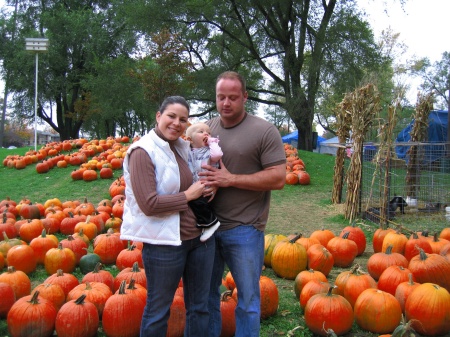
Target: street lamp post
36 45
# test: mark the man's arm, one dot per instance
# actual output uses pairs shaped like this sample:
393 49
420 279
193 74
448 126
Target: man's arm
270 178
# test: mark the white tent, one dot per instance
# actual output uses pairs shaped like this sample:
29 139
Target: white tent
329 146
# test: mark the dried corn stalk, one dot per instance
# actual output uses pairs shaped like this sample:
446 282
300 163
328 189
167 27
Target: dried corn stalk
344 117
419 133
365 105
382 161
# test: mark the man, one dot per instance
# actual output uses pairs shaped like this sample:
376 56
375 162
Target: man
253 164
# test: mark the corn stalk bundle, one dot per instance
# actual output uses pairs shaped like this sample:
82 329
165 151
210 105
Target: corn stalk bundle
344 117
382 161
418 133
365 105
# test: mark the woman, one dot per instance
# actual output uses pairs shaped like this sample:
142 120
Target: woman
159 186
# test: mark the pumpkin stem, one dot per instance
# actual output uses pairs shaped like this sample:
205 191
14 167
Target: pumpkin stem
225 295
122 287
295 238
136 267
34 298
346 234
97 267
389 249
80 300
330 290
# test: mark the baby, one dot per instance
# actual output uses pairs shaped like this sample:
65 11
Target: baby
204 150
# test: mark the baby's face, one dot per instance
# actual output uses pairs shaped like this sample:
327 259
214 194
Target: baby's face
200 136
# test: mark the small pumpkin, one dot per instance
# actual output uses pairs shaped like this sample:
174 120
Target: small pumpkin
344 251
270 241
18 280
96 292
88 262
52 292
8 298
127 257
99 275
23 258
320 259
66 281
60 258
227 309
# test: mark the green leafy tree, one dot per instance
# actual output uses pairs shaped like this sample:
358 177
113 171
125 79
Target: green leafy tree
282 47
82 35
436 78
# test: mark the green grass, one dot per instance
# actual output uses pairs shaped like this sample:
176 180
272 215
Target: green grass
294 209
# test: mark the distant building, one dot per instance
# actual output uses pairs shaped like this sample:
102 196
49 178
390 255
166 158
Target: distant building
43 138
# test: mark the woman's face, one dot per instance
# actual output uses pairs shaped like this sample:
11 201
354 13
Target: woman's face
173 121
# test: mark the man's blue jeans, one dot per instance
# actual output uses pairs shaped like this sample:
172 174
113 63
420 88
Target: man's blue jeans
242 250
164 267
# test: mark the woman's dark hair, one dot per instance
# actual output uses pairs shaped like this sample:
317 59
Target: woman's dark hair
173 100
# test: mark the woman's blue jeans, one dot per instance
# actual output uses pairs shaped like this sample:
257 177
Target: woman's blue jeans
164 267
242 250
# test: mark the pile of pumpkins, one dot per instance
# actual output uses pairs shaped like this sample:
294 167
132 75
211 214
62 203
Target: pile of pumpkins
295 167
112 285
405 288
113 282
90 159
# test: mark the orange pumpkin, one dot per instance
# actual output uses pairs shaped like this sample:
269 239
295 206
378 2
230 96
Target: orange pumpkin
18 280
428 308
121 305
377 311
95 292
80 314
32 315
289 258
22 257
60 258
325 312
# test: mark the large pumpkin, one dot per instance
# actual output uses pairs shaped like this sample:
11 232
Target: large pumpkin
31 315
122 314
428 307
289 258
377 311
431 268
325 312
77 318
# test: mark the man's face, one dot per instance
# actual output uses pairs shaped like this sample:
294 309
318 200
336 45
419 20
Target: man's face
230 101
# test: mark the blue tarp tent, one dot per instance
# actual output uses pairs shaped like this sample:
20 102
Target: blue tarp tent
437 133
294 137
290 137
